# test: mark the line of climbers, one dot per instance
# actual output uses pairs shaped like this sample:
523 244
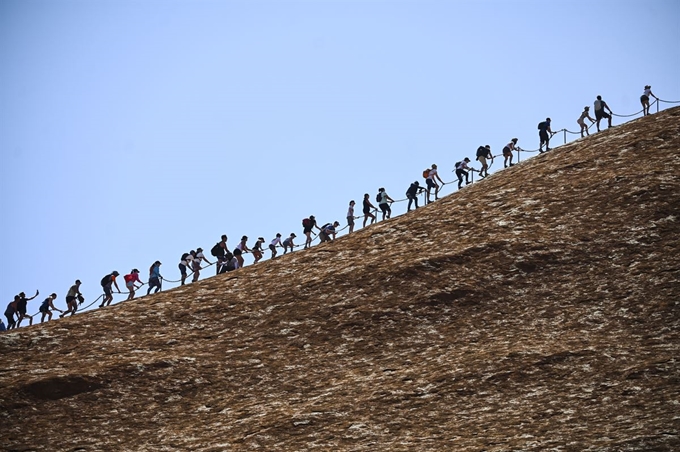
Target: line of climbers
227 260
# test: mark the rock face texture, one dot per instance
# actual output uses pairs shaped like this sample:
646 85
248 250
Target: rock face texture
536 310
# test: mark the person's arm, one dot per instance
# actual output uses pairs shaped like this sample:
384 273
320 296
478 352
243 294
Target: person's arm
36 294
115 283
54 308
652 94
440 179
388 198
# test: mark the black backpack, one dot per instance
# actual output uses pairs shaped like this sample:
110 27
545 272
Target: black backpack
457 164
542 126
217 250
184 256
378 197
482 151
106 280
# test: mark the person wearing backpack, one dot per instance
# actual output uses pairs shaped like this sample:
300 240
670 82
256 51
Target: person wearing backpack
47 307
196 263
307 225
600 112
155 277
462 170
431 182
107 283
288 243
367 209
543 131
130 280
218 251
22 307
327 233
72 299
274 243
230 263
507 152
412 194
383 203
184 263
483 153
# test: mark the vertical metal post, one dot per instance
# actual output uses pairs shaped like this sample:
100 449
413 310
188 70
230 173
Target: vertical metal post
565 135
517 155
657 105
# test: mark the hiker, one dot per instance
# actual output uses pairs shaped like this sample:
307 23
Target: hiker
10 311
184 263
196 263
71 297
383 202
307 225
483 153
328 232
350 216
218 251
130 281
507 152
229 263
463 170
274 243
543 131
47 307
644 99
2 326
367 209
431 182
412 194
257 250
21 308
600 112
581 121
241 248
107 282
155 277
288 243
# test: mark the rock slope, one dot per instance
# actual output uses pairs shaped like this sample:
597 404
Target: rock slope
536 310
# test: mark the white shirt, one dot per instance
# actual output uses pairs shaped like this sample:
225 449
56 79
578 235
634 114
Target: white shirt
276 241
350 211
188 259
433 172
462 165
199 258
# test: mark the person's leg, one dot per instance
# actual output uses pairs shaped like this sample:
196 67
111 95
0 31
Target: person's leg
609 121
410 201
365 219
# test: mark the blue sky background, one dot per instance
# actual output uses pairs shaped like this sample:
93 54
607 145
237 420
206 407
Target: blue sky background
132 131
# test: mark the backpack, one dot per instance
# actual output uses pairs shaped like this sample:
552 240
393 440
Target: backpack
306 223
106 280
378 198
542 126
184 256
482 151
457 164
127 278
426 173
217 250
323 228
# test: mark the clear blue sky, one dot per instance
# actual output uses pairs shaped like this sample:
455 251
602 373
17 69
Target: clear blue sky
132 131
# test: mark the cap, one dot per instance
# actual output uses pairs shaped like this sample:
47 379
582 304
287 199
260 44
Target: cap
134 270
586 108
278 234
78 281
311 217
198 250
434 166
54 295
260 238
115 273
648 86
514 140
487 146
292 234
466 159
336 223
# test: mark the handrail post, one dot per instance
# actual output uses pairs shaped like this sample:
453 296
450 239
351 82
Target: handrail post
657 105
517 155
565 135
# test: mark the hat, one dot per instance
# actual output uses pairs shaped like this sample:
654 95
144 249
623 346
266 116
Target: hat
514 140
337 223
434 166
278 234
260 238
466 159
487 146
311 217
78 281
648 86
292 234
115 273
586 108
134 270
198 250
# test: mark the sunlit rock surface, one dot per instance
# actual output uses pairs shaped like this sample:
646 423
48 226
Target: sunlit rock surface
536 310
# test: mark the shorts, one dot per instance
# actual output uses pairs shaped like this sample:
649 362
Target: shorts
130 285
154 281
237 252
195 266
272 248
507 152
581 122
543 135
367 210
70 299
430 183
44 309
385 207
107 290
644 99
350 221
307 230
257 254
600 114
183 269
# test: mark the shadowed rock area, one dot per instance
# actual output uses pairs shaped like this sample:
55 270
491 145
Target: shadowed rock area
536 310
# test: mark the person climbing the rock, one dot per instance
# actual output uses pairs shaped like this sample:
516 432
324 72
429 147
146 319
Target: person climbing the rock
47 307
367 209
328 232
130 280
507 152
242 247
218 251
412 194
196 263
544 133
230 263
22 307
350 216
184 263
581 121
308 224
288 243
155 278
107 283
484 153
431 182
462 171
384 203
257 250
274 243
644 99
72 299
10 311
600 112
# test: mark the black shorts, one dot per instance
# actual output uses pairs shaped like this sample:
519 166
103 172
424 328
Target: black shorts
307 230
544 136
644 99
367 210
272 247
385 207
154 281
507 152
44 309
430 183
183 269
69 299
350 221
600 114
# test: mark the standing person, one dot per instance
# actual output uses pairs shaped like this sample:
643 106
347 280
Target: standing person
22 306
367 209
107 282
507 152
184 263
644 99
155 277
71 299
288 243
218 251
431 181
384 203
328 232
47 307
130 281
543 131
242 248
412 194
308 224
257 250
484 153
274 243
196 263
10 311
462 170
350 216
581 121
600 107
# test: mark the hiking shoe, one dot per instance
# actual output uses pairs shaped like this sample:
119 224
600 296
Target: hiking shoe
101 305
512 164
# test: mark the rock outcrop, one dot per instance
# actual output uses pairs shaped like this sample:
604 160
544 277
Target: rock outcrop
536 310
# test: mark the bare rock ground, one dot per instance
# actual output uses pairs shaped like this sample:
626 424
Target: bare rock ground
537 310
